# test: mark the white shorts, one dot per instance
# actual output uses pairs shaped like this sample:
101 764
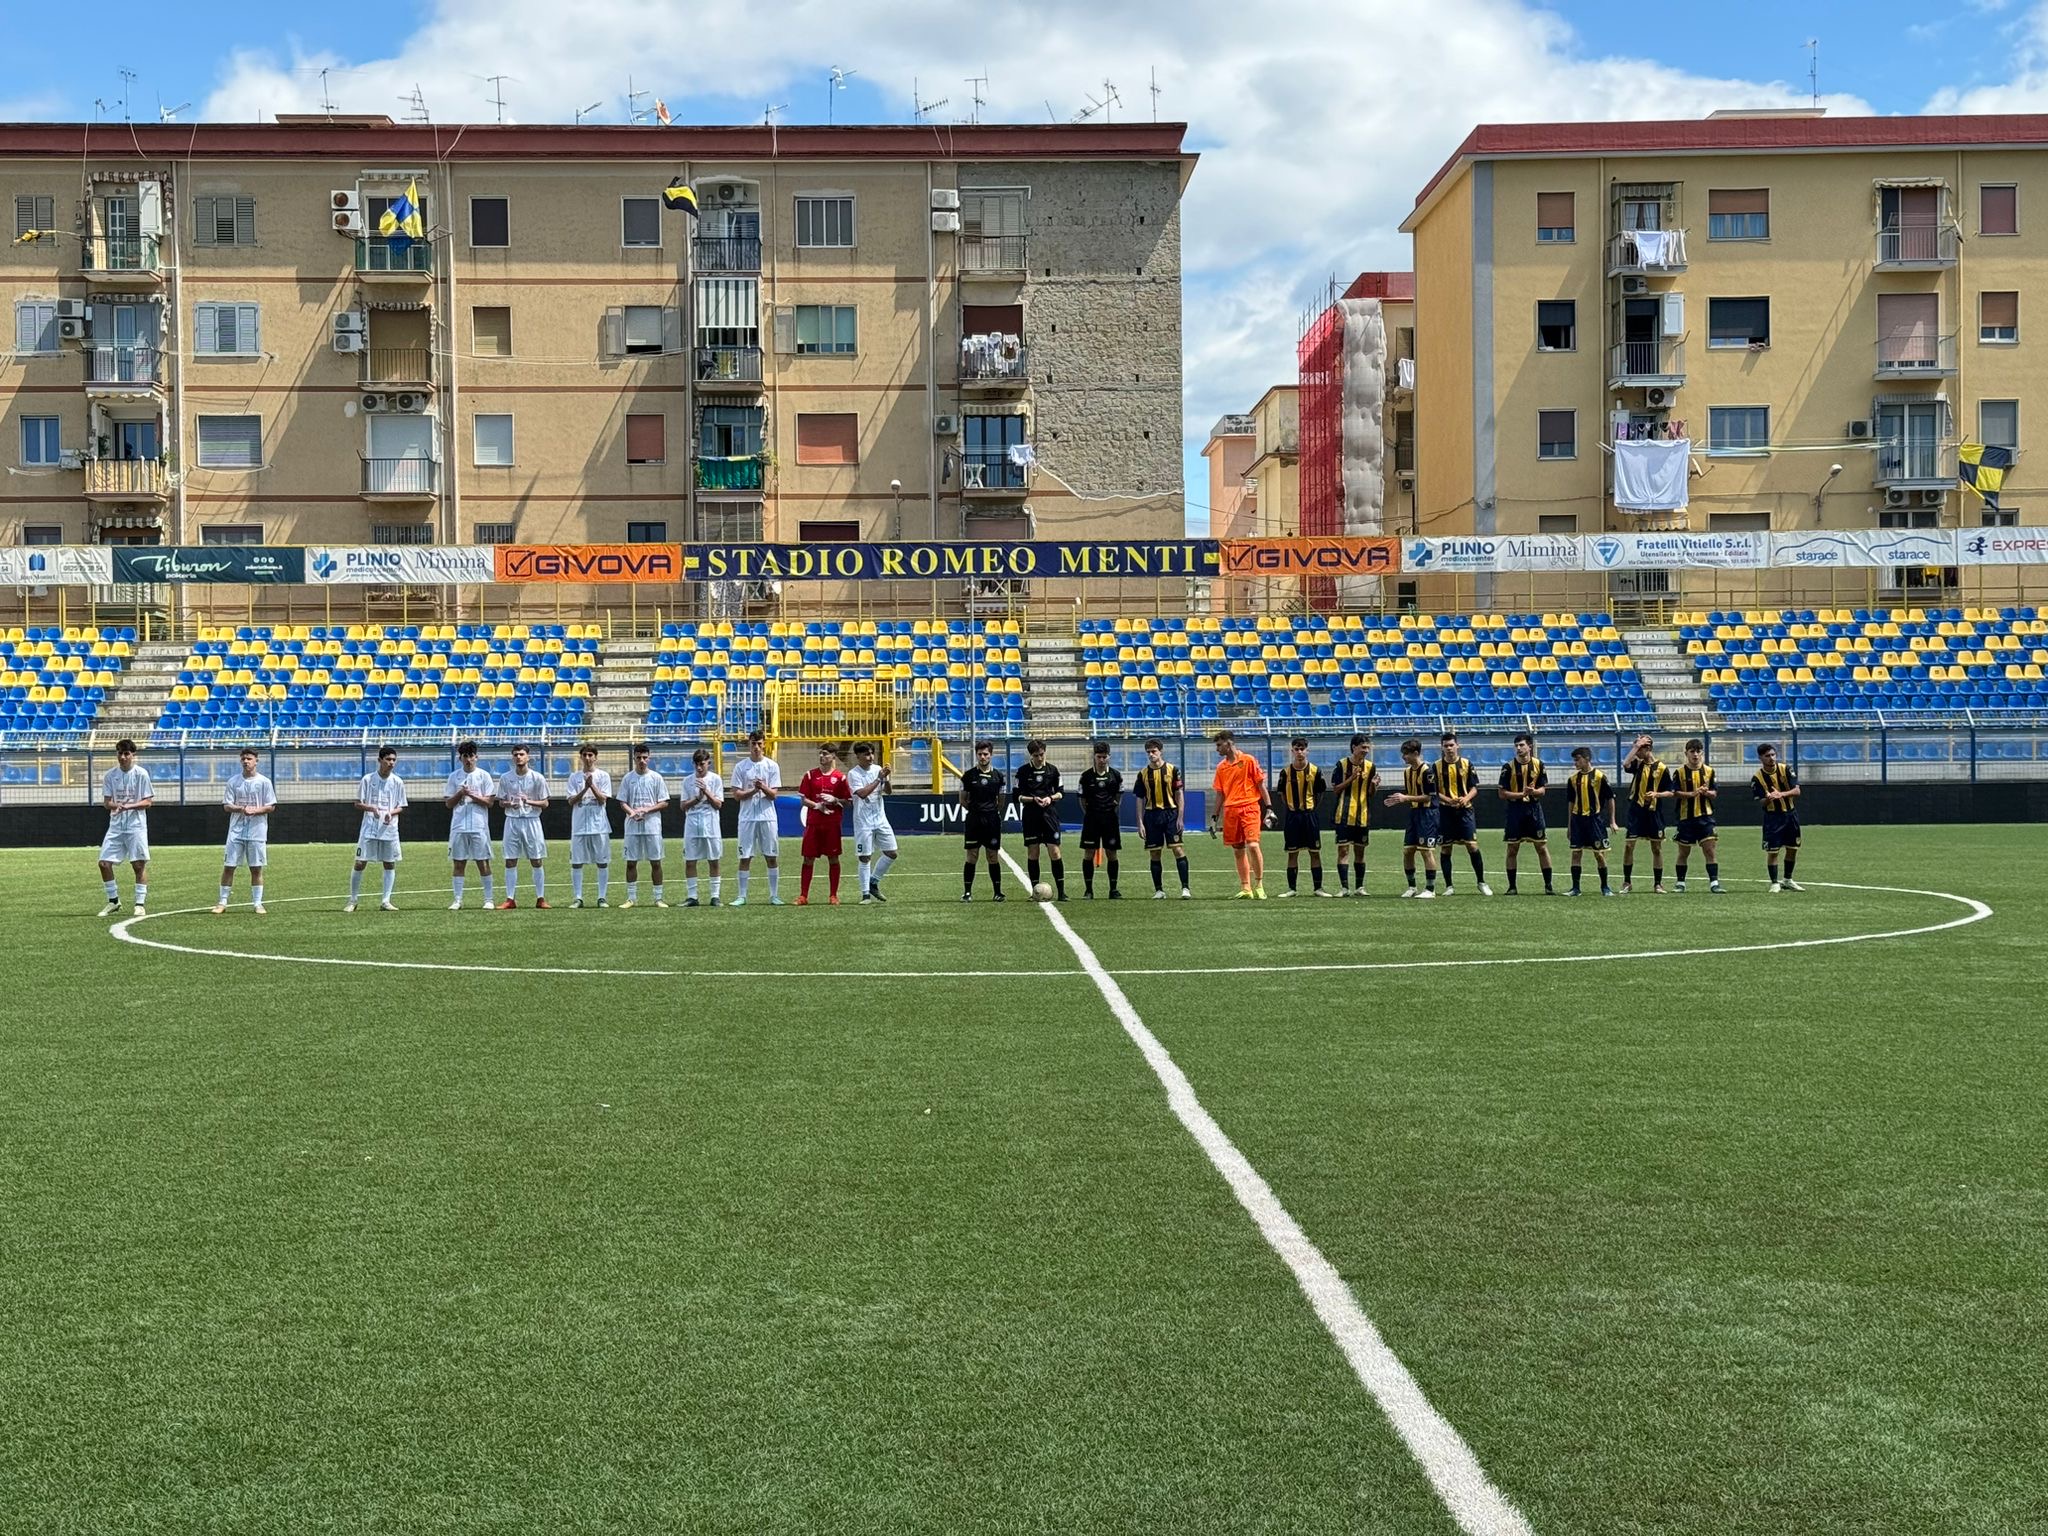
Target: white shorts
643 842
590 848
873 840
524 839
125 847
703 845
242 851
378 850
466 846
760 837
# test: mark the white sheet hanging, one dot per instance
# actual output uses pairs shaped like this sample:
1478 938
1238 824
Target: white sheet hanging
1652 476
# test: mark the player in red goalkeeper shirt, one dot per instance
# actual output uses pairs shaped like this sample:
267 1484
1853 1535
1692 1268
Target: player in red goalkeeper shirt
826 800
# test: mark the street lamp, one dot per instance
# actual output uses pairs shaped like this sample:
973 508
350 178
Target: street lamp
896 529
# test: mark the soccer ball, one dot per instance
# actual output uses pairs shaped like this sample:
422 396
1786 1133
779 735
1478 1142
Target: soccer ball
1042 891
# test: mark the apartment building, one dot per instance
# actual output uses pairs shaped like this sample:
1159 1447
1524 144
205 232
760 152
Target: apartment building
871 333
1787 292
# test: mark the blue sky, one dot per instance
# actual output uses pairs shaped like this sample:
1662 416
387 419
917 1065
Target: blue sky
1317 120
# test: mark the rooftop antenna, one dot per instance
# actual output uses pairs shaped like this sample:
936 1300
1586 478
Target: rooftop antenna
497 98
1051 116
634 111
835 86
326 97
768 116
974 85
99 105
128 78
1155 93
416 105
583 112
165 114
920 108
1813 67
1088 111
1109 99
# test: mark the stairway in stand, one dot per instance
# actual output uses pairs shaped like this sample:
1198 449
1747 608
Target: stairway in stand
1054 702
1671 681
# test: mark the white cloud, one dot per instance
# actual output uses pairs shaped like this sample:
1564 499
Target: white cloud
1317 120
2026 90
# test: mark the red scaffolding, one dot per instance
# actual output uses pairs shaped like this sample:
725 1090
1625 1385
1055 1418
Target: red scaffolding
1320 354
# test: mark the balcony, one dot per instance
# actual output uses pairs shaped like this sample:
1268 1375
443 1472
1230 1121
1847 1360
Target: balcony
1646 253
126 480
1915 356
992 472
408 479
739 475
992 255
734 370
383 259
725 253
123 259
412 366
1914 464
123 370
1655 364
1404 458
1917 247
993 367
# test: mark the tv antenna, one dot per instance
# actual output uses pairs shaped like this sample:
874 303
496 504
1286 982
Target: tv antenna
1050 115
416 105
835 86
635 112
326 98
920 108
128 78
1155 93
1109 99
497 96
769 114
1813 67
166 114
583 112
1088 111
976 99
99 105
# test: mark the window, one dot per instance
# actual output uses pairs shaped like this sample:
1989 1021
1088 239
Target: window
41 440
1557 325
1998 423
226 330
828 533
493 440
1556 218
1998 210
1917 517
824 328
740 524
647 439
647 533
1998 317
729 312
402 533
1557 434
643 329
640 221
729 431
494 533
223 221
1739 215
2001 517
988 463
35 326
231 533
827 439
1739 323
231 442
490 330
1909 330
34 213
490 222
42 533
1556 522
824 221
1738 429
1739 522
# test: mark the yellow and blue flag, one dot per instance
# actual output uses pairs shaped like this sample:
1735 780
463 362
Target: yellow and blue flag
401 223
1982 469
679 197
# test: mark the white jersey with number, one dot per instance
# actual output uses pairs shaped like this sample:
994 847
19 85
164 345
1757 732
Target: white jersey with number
588 818
470 815
644 792
869 812
747 775
387 794
125 788
522 795
245 795
701 820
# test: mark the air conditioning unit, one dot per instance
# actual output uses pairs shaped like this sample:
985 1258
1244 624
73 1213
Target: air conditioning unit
1933 498
1635 285
945 222
1860 428
69 329
348 223
728 192
71 458
945 426
1658 397
373 401
73 309
409 402
1895 498
348 341
350 322
945 197
347 208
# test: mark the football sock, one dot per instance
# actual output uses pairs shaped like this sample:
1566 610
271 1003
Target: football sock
390 881
487 888
1681 871
658 892
690 887
1628 872
832 876
745 876
1088 877
1111 866
882 863
803 888
576 881
512 882
1511 877
1315 875
867 875
633 890
1293 877
1158 875
716 882
355 884
967 876
141 892
458 882
1772 865
1575 877
774 884
1791 861
1547 879
1180 865
1657 871
113 890
1031 864
995 877
1343 876
1059 878
256 894
225 892
1713 874
1429 880
604 881
1411 879
1478 867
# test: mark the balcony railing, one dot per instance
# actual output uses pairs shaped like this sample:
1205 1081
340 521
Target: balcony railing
737 474
123 366
123 479
728 365
1911 462
1918 245
1657 361
378 253
401 477
992 253
126 254
726 253
1404 456
1648 251
1005 361
992 469
1915 356
398 365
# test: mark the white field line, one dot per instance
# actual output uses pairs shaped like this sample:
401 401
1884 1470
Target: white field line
1461 1483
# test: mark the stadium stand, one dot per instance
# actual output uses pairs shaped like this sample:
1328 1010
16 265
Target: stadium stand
1856 662
402 681
1325 672
53 680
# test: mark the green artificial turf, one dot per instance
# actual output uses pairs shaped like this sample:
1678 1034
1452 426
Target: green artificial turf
1726 1242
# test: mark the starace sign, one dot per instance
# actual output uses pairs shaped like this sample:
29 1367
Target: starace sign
1311 557
594 563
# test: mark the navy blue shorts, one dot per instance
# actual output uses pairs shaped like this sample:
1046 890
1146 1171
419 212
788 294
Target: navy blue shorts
1588 832
1101 829
1457 824
1645 820
1301 831
1780 832
1425 829
1160 828
1345 832
1694 830
1524 823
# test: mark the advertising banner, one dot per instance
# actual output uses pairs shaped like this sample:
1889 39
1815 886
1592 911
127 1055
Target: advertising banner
256 563
1143 559
410 565
1507 552
596 563
57 565
1676 551
1824 550
2002 546
1311 557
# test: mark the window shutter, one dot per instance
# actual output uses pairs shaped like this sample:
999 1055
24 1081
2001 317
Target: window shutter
611 333
1739 200
1556 210
248 328
827 438
245 221
671 330
785 328
24 215
646 439
1999 308
205 332
231 442
202 221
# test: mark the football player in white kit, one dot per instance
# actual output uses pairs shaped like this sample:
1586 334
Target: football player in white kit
249 801
644 794
756 780
380 797
127 794
873 837
590 830
469 822
523 794
701 796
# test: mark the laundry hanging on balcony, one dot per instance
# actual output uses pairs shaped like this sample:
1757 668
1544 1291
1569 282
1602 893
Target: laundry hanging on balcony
1023 455
1652 476
1404 373
1655 247
990 351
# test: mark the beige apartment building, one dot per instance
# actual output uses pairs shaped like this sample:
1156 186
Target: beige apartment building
1787 291
871 333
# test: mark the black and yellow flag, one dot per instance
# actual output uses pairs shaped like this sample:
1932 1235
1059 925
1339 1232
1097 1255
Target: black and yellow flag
679 197
1982 469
